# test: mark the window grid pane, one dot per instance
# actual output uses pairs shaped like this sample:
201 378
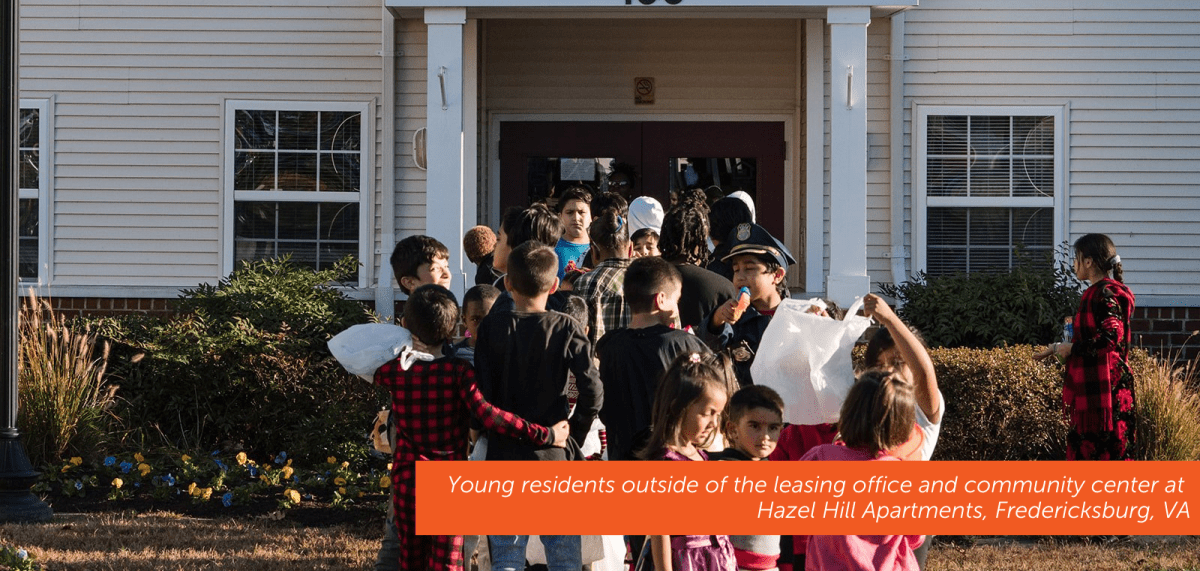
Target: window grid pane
988 156
29 179
316 234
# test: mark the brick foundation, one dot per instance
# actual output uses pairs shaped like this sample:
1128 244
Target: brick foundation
1167 330
104 306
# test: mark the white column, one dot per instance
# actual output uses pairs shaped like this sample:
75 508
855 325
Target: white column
444 189
848 153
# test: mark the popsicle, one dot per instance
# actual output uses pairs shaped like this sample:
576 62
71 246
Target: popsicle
743 302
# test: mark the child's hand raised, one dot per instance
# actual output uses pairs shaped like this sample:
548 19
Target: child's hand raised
875 307
726 313
560 432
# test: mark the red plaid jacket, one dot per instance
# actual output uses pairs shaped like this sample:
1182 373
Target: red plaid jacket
432 404
1100 347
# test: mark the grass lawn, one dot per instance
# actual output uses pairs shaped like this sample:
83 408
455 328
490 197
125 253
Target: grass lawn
158 540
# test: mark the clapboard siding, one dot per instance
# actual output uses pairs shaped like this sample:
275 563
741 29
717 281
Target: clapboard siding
412 51
588 66
139 92
1129 73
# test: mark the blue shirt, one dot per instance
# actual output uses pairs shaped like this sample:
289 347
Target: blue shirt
567 252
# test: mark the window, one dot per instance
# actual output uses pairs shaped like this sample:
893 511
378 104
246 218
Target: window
32 193
298 176
987 186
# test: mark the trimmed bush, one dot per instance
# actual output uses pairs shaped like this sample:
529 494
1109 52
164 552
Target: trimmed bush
244 364
1024 306
1000 405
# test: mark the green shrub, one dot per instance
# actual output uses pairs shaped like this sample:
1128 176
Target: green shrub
1024 306
1000 405
63 407
244 363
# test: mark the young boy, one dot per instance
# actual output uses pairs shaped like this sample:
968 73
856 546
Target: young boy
632 359
575 212
420 260
601 287
416 261
519 225
753 421
645 243
477 302
759 264
432 402
479 245
523 356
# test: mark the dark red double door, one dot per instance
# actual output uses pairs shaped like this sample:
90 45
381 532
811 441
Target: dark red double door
536 156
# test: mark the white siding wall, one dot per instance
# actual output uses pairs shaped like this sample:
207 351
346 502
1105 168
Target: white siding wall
140 90
588 66
411 95
1129 72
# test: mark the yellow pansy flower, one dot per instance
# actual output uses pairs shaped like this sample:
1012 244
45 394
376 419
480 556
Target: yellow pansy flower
331 459
186 458
138 457
144 468
241 458
342 491
207 494
340 481
287 472
385 482
117 483
264 478
192 489
292 495
75 460
345 464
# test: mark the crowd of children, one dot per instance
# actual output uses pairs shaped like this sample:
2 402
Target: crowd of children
656 359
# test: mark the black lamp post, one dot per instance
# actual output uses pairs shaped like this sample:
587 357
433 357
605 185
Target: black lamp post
17 476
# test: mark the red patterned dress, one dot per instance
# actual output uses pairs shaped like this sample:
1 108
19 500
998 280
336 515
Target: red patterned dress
432 404
1098 394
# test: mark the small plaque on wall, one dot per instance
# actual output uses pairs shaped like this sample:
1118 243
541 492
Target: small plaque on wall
643 90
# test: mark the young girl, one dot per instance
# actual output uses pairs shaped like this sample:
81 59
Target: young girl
876 417
1097 385
645 243
687 412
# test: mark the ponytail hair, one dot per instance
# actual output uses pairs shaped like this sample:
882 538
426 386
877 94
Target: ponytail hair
610 231
1101 250
684 382
878 413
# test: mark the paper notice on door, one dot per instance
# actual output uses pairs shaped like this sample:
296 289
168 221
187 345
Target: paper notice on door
577 169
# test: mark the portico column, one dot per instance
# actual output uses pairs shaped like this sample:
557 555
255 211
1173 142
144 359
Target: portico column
444 188
848 153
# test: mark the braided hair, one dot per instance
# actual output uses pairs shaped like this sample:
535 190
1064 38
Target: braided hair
684 233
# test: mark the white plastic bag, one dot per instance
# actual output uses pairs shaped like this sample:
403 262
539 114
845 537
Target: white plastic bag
362 349
806 359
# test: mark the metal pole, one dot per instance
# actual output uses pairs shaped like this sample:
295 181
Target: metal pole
17 476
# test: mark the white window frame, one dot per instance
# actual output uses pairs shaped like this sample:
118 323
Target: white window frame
43 193
366 177
921 200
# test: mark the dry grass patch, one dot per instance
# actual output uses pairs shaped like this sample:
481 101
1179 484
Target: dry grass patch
1050 555
166 541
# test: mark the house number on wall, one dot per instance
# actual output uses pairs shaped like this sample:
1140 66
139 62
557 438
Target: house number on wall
649 2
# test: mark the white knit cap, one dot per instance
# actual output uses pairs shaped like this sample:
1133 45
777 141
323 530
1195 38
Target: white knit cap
645 212
742 196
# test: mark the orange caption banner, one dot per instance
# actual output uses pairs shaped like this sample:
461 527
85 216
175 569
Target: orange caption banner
782 498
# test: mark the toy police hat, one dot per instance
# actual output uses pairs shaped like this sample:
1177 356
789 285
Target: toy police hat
754 239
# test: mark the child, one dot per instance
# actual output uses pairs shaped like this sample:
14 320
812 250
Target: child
519 225
420 260
479 245
416 261
477 302
645 213
725 215
601 287
682 242
645 243
431 404
633 359
753 420
876 416
575 213
759 264
687 412
523 356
